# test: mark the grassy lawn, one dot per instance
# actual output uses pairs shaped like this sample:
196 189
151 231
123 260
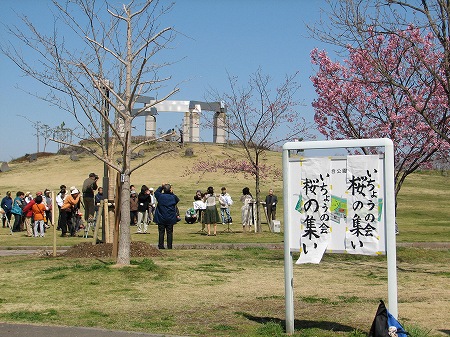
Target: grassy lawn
230 292
224 293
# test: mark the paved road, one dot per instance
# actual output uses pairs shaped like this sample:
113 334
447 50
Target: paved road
22 330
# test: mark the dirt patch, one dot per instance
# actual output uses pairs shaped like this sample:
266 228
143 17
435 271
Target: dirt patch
87 249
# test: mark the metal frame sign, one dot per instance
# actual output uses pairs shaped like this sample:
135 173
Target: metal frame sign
340 204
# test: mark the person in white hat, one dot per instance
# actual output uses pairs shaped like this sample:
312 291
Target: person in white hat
69 208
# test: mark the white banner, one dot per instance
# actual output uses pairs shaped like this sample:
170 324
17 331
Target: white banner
362 232
315 203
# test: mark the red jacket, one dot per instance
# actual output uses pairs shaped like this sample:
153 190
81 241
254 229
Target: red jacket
27 211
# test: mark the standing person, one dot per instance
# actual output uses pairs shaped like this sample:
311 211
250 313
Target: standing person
211 214
247 209
133 208
199 206
225 202
151 205
98 197
143 202
39 207
47 198
271 206
60 201
68 210
17 210
28 197
165 214
29 215
6 204
89 186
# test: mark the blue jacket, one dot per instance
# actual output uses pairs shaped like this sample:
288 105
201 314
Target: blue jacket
17 206
7 204
166 211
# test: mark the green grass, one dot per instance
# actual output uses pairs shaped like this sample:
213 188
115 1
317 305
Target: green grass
235 292
218 292
423 213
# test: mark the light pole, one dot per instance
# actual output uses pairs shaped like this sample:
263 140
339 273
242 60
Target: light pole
105 86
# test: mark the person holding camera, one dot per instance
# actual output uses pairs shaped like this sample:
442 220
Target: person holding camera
89 186
166 213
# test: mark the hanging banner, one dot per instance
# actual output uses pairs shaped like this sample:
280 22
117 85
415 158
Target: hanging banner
314 205
362 231
331 212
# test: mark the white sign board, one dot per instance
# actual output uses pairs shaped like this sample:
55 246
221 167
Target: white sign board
322 189
376 235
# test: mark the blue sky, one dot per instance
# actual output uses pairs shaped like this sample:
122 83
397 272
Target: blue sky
234 36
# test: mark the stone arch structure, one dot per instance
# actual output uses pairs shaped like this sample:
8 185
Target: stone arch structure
191 121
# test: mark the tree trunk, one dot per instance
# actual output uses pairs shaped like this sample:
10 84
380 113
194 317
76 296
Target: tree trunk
258 198
123 257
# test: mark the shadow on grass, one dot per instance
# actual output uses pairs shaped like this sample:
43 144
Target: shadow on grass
302 324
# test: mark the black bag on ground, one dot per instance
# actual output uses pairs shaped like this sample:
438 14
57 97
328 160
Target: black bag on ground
385 325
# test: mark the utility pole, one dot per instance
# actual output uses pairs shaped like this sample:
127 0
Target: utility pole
36 125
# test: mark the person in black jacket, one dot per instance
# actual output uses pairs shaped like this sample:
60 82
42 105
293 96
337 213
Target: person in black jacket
166 214
89 188
271 205
143 203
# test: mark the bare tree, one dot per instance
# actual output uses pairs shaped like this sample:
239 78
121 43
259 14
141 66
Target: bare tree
105 58
259 117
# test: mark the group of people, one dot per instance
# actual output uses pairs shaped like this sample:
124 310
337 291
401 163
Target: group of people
69 205
32 215
205 209
142 208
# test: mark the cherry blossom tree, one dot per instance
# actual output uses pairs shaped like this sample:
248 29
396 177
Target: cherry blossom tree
354 22
357 98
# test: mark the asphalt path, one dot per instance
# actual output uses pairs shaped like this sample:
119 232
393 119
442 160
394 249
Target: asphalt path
22 330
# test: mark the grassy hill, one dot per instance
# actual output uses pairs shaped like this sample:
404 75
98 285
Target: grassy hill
423 205
52 171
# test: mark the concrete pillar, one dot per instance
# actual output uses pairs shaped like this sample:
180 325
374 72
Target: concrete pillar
191 125
150 126
219 132
186 126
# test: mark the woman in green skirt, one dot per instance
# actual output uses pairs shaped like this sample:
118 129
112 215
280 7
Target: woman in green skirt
211 214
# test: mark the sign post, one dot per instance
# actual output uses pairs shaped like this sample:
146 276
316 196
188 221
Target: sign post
337 240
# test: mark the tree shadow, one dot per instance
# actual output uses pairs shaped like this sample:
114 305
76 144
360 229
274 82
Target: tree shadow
302 324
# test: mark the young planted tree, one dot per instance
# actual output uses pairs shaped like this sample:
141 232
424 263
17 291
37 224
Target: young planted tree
355 100
259 117
104 58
